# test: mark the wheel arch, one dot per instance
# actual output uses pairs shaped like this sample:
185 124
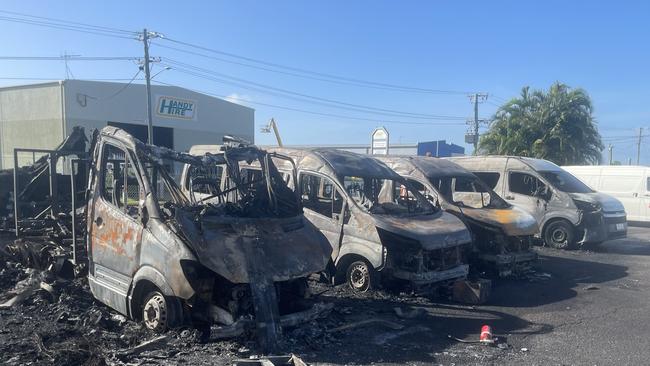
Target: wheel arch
146 280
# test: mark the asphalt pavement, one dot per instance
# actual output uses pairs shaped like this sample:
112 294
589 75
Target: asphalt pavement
580 308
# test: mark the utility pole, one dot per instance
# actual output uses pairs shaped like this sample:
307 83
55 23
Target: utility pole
145 37
638 147
147 77
473 135
610 148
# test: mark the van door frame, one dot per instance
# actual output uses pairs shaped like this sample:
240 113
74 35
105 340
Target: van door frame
338 223
122 235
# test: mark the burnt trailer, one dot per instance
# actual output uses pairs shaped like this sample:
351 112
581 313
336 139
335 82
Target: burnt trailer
502 234
236 261
379 229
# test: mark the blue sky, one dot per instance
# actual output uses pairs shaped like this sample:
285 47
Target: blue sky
493 47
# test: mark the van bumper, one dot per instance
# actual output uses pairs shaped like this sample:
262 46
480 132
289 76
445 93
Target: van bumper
507 264
426 278
599 227
616 223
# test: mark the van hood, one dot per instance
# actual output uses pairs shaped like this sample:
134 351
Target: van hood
240 249
440 230
513 220
608 203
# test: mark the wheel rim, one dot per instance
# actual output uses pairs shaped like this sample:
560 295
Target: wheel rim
155 312
559 236
359 276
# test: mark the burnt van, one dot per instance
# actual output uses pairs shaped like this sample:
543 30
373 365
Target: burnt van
379 228
236 258
568 212
502 234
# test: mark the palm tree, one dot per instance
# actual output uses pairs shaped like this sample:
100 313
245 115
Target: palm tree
557 125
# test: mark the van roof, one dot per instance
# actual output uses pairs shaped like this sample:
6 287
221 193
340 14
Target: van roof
608 167
536 164
430 167
202 149
343 163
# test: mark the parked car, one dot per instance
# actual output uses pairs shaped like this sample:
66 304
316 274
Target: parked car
568 212
377 225
238 257
502 234
628 184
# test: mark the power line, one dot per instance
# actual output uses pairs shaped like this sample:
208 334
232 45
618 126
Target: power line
65 27
123 88
58 78
200 72
67 58
110 29
294 74
319 74
374 120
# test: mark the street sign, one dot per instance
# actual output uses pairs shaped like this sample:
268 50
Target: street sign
470 138
380 144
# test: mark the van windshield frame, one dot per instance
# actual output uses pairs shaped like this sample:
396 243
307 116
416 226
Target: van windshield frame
565 181
391 196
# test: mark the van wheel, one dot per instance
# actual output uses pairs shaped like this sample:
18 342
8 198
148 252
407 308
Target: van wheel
361 276
559 234
155 312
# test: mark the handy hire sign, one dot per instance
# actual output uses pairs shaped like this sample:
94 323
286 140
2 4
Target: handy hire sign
172 107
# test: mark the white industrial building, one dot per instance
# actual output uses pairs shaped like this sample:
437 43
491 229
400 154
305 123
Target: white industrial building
42 115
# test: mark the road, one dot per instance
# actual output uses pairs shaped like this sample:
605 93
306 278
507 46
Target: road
582 308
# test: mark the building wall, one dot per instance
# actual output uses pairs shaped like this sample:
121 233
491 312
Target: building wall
94 104
439 149
30 116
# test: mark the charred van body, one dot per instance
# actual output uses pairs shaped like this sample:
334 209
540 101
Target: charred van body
502 234
377 226
232 258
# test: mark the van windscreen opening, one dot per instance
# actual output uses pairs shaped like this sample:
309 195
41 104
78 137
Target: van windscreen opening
565 182
386 196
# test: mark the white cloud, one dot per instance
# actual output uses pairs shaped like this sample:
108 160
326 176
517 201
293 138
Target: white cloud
238 99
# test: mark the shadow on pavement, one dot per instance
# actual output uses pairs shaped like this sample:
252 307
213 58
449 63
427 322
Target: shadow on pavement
421 339
565 275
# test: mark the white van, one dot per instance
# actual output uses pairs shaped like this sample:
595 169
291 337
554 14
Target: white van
629 184
568 212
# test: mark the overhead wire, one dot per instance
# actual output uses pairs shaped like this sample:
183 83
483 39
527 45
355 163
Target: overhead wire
111 29
197 71
66 27
205 73
311 72
375 120
123 88
294 74
68 58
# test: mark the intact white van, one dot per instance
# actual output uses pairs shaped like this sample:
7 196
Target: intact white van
629 184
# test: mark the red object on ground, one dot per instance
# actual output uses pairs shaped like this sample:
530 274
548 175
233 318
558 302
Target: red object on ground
486 334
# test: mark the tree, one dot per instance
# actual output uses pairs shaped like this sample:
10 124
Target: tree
557 125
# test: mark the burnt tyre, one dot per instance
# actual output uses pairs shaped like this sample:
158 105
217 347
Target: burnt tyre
361 276
155 312
559 234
